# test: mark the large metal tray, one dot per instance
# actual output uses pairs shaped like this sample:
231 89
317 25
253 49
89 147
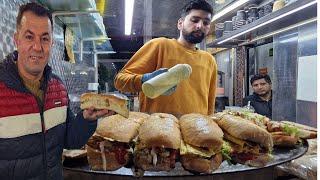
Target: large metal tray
280 156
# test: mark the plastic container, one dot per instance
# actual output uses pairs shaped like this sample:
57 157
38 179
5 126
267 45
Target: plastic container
156 86
248 107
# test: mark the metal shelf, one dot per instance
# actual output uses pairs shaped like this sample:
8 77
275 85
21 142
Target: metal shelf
289 15
230 14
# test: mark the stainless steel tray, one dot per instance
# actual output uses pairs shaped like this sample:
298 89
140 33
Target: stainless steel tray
280 156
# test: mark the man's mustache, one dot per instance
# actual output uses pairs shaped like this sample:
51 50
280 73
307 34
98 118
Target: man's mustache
199 31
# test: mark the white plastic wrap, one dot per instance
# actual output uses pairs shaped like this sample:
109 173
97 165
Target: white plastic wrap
304 167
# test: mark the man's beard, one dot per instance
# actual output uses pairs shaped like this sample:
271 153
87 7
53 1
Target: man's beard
191 38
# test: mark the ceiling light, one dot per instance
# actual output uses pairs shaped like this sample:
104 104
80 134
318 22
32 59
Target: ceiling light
228 9
269 21
129 4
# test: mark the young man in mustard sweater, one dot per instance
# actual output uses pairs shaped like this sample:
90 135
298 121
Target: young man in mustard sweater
194 95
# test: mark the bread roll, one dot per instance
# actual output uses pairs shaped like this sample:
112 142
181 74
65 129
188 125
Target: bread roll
74 153
245 130
119 128
283 139
199 164
199 130
105 101
160 130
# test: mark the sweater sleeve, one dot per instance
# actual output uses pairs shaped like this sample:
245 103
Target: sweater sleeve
78 130
212 90
143 61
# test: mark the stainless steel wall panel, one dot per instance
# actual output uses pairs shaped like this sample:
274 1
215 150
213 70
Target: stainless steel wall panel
285 47
308 40
307 51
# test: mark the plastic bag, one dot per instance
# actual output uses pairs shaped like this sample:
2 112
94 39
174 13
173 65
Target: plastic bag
304 167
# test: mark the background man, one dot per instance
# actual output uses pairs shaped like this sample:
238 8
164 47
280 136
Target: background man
261 99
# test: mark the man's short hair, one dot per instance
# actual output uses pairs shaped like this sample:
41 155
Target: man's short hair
266 77
198 5
37 9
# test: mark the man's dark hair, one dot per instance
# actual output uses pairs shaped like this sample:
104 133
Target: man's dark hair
198 5
266 77
37 9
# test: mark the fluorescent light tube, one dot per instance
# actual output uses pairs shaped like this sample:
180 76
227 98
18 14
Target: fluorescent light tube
269 21
228 9
129 5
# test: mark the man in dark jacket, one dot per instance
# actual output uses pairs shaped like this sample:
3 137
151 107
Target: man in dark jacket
35 120
261 99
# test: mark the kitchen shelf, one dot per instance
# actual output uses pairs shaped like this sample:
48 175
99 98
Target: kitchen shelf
269 23
228 16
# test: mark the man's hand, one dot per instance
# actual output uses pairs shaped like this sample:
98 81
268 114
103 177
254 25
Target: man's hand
153 74
92 114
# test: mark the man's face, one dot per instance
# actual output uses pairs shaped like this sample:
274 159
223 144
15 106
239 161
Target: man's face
195 26
261 87
34 41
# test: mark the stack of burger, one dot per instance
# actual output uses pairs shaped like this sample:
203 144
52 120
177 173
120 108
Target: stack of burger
246 142
201 143
158 143
110 148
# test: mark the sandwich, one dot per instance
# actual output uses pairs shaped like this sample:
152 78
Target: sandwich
284 133
280 137
288 134
111 147
201 143
105 101
255 118
248 143
304 132
158 144
74 155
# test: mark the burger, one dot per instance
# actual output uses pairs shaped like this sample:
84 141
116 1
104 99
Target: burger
111 146
200 149
158 144
247 142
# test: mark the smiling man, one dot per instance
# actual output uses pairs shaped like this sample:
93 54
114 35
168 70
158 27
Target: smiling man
261 99
35 120
194 95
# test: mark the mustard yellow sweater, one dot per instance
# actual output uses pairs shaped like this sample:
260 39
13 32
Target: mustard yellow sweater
194 95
